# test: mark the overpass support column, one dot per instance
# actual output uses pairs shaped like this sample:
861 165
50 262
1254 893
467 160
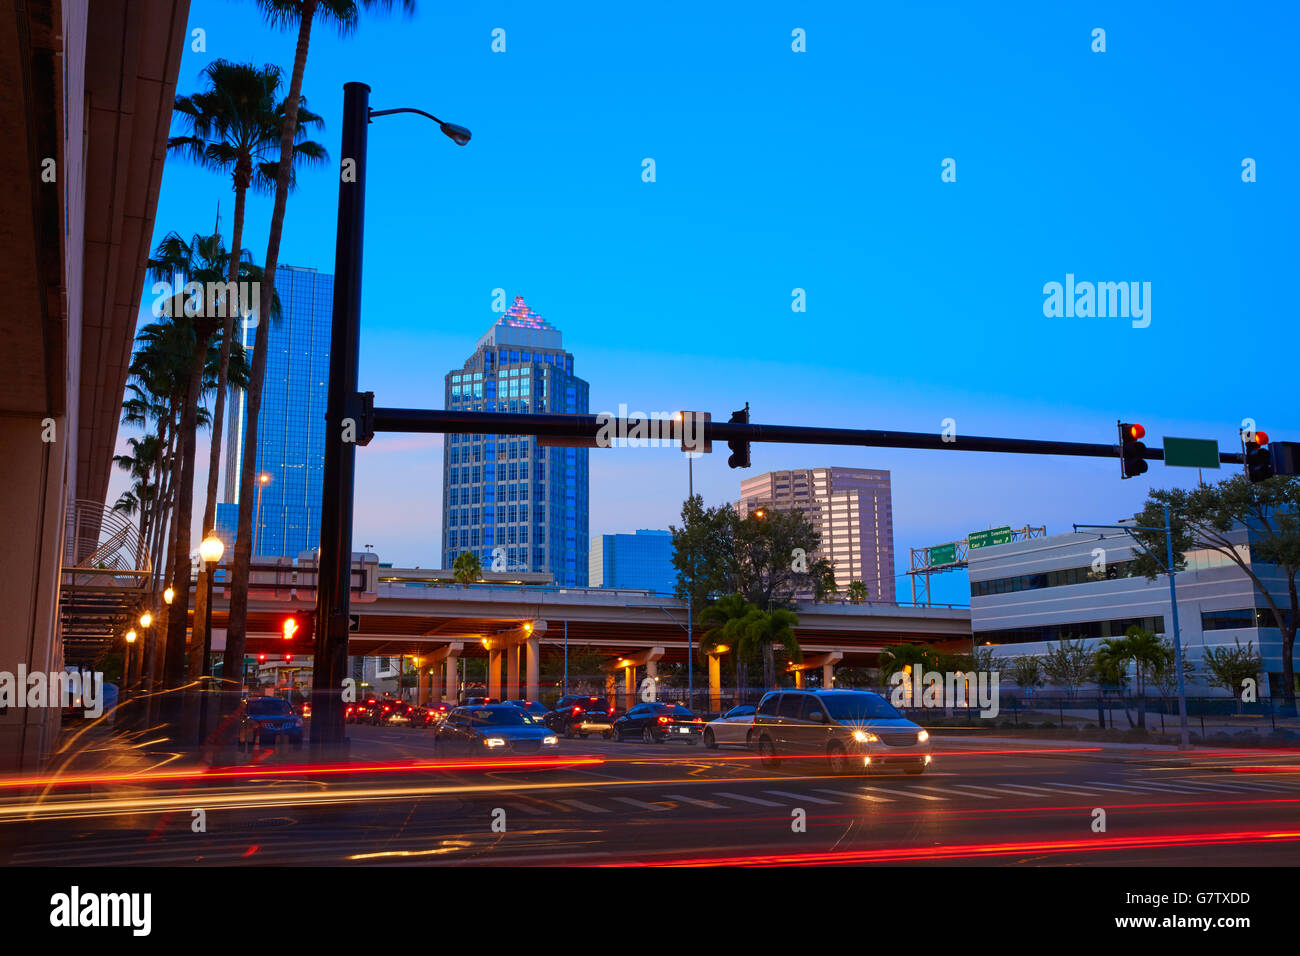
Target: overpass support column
629 686
435 685
421 685
798 679
494 673
828 676
453 679
512 671
652 672
715 683
533 669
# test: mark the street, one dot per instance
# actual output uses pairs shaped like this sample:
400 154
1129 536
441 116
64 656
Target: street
988 802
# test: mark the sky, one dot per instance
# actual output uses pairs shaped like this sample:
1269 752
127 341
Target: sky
820 171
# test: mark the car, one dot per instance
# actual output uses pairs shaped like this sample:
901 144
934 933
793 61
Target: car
362 712
657 723
530 707
263 719
399 713
480 701
492 729
849 730
733 727
581 714
434 714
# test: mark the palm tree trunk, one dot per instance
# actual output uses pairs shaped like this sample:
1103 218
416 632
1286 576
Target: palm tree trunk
178 620
237 623
769 666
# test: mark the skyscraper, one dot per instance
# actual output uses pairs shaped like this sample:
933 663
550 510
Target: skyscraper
641 560
291 423
852 509
519 506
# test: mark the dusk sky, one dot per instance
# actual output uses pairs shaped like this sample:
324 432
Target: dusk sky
821 170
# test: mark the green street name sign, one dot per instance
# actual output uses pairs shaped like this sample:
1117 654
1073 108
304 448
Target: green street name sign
1192 452
985 539
943 554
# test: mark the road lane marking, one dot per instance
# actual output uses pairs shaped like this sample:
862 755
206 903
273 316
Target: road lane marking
1006 790
854 793
530 809
1123 787
801 796
755 800
961 789
708 804
579 805
902 793
1063 788
640 804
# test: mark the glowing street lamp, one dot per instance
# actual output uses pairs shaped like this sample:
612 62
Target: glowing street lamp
169 595
262 481
146 619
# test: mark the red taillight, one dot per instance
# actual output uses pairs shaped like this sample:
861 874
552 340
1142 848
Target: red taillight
665 720
577 710
611 712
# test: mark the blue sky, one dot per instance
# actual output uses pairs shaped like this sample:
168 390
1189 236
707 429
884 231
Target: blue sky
820 170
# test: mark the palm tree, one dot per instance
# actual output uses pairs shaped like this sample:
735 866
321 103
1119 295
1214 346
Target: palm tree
722 623
343 14
234 126
1141 648
467 568
765 630
857 592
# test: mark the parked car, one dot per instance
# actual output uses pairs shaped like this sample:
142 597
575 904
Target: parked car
480 701
399 713
582 715
530 707
733 727
362 712
849 730
492 729
434 714
657 723
264 719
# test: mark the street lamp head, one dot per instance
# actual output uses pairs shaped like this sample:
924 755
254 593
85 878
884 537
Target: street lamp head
211 549
130 637
263 478
458 134
169 595
146 619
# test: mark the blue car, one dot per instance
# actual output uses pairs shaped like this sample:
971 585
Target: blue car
263 719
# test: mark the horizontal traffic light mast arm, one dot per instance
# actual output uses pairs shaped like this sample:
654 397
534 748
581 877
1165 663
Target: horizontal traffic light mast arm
589 427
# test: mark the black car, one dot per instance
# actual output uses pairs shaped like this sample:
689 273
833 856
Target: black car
582 715
531 708
492 729
657 723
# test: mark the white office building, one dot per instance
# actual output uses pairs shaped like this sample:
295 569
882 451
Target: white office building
1026 595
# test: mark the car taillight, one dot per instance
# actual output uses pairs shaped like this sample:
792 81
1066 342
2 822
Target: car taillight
611 712
576 711
665 720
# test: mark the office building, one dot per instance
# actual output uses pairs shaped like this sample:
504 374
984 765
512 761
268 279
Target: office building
291 423
850 507
1028 594
520 506
643 561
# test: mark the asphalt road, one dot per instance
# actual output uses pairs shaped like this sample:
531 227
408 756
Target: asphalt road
631 803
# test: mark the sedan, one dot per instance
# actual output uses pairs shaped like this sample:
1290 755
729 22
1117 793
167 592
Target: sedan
731 728
531 708
492 729
265 718
657 723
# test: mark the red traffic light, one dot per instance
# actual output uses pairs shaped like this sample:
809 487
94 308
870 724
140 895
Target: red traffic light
290 628
1136 432
298 628
1261 439
288 658
261 658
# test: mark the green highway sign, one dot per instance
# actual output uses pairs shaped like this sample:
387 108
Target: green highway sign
943 554
1192 452
985 539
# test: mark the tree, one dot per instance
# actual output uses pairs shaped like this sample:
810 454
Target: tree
704 551
232 127
1138 647
1229 667
823 579
1164 673
902 656
765 630
1214 518
767 545
723 628
343 14
1068 664
857 592
467 568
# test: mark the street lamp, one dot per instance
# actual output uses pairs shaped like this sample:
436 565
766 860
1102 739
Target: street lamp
262 480
169 595
126 659
146 619
343 401
210 551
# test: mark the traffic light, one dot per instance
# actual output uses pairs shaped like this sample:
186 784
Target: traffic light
298 629
1259 461
739 449
1132 460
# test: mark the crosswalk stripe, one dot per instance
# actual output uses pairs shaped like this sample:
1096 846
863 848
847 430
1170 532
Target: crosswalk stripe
708 804
1236 785
529 808
963 789
1225 787
1006 790
1062 788
638 803
852 793
902 793
1122 787
579 805
801 796
745 799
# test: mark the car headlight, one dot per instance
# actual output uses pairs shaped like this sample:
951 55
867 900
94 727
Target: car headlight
550 740
865 737
494 742
923 736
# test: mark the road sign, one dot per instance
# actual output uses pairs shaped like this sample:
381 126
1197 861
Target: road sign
1192 452
985 539
943 554
354 622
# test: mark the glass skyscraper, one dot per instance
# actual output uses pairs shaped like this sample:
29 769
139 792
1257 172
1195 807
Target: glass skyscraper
643 560
518 505
291 424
